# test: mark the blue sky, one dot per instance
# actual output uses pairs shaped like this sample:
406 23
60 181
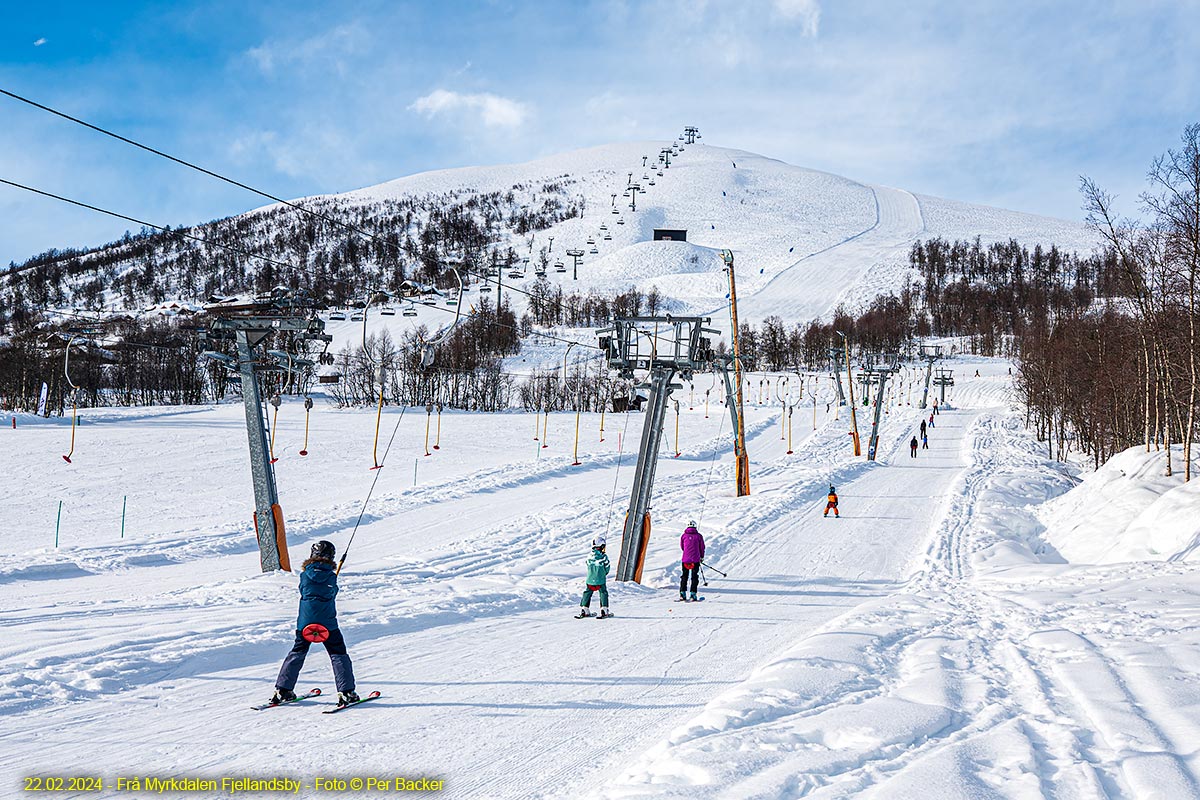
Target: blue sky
1002 103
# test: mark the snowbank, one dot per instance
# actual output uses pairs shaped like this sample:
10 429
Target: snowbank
1128 510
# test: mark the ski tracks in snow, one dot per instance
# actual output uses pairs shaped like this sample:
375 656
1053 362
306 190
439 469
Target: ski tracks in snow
976 678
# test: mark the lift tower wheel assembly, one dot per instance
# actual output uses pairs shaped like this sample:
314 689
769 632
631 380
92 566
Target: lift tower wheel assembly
664 347
249 325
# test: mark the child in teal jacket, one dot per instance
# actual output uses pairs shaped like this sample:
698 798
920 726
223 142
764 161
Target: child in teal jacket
597 580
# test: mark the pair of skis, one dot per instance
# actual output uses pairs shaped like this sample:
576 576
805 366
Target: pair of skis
317 693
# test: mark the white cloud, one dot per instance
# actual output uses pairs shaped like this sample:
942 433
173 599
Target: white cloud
806 12
40 42
327 50
492 110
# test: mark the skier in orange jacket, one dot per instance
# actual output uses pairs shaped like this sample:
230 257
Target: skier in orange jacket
832 504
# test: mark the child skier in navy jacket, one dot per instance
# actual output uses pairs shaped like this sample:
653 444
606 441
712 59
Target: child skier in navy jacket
317 622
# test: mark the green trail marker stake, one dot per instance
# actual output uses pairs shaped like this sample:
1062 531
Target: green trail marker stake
124 500
58 524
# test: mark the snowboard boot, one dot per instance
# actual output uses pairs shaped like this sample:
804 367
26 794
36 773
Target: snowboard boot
347 698
583 612
692 597
682 596
604 612
282 696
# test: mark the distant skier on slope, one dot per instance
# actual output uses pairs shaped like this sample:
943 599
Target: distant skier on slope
913 446
831 504
597 580
924 442
935 407
931 424
922 427
317 622
692 544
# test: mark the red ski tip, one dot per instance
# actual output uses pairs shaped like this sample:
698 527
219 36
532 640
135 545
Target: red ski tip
437 447
303 452
273 460
377 466
316 690
67 459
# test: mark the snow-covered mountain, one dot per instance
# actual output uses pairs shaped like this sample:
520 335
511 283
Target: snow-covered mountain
803 240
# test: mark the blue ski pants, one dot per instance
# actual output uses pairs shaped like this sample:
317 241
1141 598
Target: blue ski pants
335 645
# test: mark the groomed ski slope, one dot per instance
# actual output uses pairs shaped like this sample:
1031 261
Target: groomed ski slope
458 606
812 287
916 647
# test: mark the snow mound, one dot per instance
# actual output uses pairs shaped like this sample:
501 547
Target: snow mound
1128 510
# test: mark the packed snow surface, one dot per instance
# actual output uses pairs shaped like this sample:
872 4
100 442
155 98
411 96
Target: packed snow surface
937 640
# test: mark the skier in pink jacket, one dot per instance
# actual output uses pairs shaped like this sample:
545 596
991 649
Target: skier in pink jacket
692 544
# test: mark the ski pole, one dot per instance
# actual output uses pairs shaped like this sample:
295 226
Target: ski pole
703 577
714 569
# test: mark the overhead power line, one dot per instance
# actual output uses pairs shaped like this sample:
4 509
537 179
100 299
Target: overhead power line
412 252
162 228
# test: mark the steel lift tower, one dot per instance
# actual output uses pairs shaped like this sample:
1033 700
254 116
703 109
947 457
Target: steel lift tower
835 355
944 378
929 354
250 325
665 347
877 375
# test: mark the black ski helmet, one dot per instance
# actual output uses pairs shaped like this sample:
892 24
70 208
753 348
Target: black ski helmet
323 549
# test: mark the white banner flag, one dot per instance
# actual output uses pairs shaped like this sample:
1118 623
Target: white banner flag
42 400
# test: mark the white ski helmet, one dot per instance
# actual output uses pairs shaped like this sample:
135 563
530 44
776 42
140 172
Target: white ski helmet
692 524
598 541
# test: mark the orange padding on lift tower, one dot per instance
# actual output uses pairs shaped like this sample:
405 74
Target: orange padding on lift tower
641 562
285 563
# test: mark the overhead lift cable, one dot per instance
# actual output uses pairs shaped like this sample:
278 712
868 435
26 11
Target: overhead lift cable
411 251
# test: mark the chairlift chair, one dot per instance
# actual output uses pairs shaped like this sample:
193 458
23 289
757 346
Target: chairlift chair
356 317
559 266
615 211
337 316
486 288
388 311
608 237
593 251
620 220
451 301
591 240
409 311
